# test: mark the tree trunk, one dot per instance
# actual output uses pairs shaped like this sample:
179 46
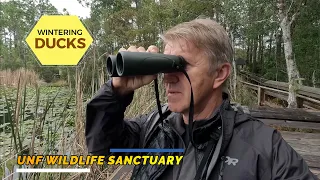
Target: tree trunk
250 53
270 45
69 79
261 51
292 70
314 79
254 56
93 72
234 83
278 46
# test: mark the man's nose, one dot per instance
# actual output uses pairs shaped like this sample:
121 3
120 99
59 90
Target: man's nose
170 78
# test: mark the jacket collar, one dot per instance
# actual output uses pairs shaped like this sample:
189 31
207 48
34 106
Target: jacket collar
202 129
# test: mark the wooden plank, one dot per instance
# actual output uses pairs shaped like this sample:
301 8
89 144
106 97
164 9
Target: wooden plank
123 172
251 86
311 104
303 138
292 124
261 112
313 113
315 91
306 144
315 171
278 95
283 95
311 160
304 90
285 114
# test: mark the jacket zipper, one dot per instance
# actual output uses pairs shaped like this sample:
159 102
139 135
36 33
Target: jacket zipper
161 170
145 143
149 134
221 167
184 152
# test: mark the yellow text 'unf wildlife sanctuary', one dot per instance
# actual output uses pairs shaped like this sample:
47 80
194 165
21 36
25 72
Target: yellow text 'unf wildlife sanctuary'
100 160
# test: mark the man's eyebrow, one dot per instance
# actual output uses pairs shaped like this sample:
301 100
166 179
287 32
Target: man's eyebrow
165 46
168 44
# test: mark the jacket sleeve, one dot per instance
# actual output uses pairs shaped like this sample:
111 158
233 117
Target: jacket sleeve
105 124
287 163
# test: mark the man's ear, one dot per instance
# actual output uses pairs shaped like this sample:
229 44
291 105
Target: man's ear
222 74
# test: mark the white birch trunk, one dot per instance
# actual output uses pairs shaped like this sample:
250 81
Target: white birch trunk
314 79
292 70
234 69
233 79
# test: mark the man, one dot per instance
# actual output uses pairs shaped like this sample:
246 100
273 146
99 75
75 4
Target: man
226 143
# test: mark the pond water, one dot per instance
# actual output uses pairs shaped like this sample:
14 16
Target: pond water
56 109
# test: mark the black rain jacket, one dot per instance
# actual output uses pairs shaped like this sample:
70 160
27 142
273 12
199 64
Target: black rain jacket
246 150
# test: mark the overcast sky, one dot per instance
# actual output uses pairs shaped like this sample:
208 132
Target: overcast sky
72 6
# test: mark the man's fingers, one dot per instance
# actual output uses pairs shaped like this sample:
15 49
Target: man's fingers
148 78
141 49
133 49
122 49
153 49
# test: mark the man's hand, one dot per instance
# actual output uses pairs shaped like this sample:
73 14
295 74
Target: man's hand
127 84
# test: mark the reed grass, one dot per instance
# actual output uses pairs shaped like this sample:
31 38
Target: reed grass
44 137
12 78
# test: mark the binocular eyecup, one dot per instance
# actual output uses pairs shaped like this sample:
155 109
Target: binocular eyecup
142 63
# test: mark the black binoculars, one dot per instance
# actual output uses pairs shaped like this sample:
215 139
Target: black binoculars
143 63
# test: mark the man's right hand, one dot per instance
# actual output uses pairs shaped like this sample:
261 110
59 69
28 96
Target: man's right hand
127 84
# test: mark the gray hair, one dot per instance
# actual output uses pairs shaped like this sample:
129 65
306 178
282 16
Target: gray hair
208 36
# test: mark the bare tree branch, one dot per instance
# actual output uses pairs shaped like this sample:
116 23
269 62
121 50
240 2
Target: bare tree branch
281 5
290 7
270 20
294 16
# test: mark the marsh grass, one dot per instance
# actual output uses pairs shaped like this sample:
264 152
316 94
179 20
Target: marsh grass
12 78
245 96
48 121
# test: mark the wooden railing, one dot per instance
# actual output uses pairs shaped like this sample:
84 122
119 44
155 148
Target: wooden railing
306 96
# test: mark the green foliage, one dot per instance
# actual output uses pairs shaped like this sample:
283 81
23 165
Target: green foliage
48 74
306 42
114 24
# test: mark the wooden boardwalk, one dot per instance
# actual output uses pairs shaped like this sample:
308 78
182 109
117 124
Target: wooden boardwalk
306 96
307 145
306 141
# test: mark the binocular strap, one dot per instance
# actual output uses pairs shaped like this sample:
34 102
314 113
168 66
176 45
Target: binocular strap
158 98
189 129
191 108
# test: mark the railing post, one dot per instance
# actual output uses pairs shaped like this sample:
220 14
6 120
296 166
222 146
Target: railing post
299 102
261 96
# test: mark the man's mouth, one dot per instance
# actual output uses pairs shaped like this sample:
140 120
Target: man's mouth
172 92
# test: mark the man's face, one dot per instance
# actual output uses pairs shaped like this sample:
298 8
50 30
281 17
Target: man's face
177 85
